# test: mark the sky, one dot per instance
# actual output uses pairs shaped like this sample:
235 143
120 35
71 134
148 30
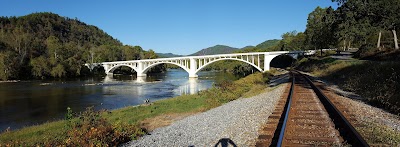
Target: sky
180 26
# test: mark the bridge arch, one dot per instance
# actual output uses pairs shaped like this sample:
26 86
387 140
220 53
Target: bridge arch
221 59
281 60
193 64
147 68
111 70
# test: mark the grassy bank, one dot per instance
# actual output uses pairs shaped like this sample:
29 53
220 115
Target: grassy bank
121 125
377 81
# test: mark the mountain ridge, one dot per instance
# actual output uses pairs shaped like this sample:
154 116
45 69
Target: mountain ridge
217 49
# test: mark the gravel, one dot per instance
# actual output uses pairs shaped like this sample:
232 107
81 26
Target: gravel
238 121
365 112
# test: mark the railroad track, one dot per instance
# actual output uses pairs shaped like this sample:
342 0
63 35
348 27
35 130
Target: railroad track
306 117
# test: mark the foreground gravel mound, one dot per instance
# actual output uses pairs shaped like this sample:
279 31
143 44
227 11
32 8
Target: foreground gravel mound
236 122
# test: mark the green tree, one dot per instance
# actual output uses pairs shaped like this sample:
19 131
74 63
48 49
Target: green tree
340 2
8 65
58 71
40 67
292 41
150 54
387 10
20 41
53 45
319 31
130 53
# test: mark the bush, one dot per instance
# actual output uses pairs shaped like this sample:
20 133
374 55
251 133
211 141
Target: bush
226 91
90 129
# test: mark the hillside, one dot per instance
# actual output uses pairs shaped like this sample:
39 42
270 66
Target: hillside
268 43
43 45
218 49
247 47
167 55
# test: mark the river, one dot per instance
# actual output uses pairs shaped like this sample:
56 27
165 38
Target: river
28 103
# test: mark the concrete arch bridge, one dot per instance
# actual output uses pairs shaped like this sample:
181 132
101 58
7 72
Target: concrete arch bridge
193 64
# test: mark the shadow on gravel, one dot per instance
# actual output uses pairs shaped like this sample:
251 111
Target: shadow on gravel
275 81
225 142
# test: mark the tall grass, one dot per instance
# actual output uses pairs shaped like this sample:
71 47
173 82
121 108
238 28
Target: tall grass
110 128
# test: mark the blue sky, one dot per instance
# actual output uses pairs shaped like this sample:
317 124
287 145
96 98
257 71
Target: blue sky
180 26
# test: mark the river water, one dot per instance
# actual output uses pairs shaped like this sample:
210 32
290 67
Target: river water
34 102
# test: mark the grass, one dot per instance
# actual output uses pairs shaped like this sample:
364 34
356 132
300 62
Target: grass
68 132
378 135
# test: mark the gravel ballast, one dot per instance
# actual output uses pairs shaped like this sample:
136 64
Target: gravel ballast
238 121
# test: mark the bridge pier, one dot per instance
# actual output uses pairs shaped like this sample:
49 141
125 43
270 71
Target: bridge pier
193 75
140 74
141 79
193 68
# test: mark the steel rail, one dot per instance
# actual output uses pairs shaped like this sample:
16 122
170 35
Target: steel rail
341 123
344 127
287 110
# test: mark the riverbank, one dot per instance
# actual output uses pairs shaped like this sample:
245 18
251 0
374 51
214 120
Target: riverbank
118 126
237 122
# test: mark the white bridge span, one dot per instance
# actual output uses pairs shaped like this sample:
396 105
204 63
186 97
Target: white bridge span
193 64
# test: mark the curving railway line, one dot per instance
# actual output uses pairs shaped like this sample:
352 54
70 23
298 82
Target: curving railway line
306 117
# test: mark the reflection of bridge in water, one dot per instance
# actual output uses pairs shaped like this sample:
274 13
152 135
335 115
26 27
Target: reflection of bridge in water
191 87
187 86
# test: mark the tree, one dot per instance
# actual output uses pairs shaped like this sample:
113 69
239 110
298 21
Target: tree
340 2
8 65
358 19
130 53
53 45
320 28
58 71
20 40
387 10
292 41
40 67
150 54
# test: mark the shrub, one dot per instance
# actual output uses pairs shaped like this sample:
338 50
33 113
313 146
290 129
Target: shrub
226 91
90 129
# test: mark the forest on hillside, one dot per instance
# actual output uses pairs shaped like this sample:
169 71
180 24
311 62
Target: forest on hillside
46 45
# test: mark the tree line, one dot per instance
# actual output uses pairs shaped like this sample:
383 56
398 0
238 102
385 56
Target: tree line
364 24
46 45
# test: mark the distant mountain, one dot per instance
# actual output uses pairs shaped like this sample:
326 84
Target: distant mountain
268 43
218 49
247 47
167 55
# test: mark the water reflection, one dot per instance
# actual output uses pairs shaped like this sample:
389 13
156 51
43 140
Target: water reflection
33 102
140 79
